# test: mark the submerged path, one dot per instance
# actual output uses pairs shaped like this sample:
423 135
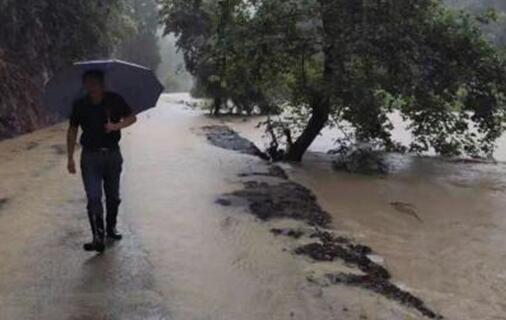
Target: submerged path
184 255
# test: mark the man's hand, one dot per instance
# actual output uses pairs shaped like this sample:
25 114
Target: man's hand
111 127
125 123
71 166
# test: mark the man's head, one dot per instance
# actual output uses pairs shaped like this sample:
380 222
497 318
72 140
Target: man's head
93 82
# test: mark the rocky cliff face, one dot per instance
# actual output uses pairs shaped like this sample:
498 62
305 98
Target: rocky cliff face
20 110
37 38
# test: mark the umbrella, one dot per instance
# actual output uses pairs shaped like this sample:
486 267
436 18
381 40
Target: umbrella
138 85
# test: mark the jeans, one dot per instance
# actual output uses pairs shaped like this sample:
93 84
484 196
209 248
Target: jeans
101 170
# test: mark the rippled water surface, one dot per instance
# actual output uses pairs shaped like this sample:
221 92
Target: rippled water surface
439 226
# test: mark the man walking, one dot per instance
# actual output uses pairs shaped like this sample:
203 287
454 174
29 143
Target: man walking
101 115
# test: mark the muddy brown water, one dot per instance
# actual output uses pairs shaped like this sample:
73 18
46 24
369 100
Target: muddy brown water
188 257
452 253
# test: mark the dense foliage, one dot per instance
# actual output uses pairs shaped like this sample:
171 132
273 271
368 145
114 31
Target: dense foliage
496 31
172 69
210 34
352 62
141 46
55 33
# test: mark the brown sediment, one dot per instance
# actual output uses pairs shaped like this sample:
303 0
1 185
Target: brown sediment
284 200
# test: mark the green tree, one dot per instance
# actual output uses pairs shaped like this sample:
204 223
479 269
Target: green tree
357 61
210 36
141 46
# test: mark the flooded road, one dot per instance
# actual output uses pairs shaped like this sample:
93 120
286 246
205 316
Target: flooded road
186 257
440 227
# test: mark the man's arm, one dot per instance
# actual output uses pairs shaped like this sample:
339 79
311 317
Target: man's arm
128 121
124 123
71 146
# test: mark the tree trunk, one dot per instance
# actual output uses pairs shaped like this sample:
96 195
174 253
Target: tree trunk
216 106
320 97
319 118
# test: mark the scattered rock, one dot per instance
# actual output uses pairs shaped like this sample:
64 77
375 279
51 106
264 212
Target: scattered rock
226 138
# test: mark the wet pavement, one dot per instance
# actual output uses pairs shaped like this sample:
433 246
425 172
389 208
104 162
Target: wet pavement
185 256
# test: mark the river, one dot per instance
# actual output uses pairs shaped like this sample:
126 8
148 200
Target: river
452 252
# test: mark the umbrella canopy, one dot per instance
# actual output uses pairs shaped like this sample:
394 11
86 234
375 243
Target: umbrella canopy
138 85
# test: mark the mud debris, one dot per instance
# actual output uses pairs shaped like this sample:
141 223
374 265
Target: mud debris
385 288
273 171
330 249
223 202
296 234
226 138
376 278
291 200
284 200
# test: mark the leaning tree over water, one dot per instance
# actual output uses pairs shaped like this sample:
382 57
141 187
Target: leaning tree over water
352 61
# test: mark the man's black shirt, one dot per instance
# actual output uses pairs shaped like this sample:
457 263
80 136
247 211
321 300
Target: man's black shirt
93 117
